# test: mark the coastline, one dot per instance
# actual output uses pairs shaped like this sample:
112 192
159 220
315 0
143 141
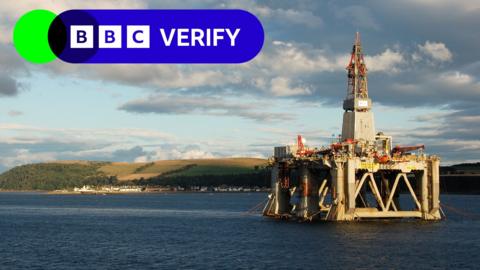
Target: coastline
62 192
22 191
47 192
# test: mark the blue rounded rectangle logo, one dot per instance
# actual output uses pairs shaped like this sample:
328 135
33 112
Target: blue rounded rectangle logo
156 36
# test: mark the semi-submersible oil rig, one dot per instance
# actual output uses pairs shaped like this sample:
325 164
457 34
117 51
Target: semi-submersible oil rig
358 177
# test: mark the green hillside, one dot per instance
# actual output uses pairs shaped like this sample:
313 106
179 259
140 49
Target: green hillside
51 176
69 174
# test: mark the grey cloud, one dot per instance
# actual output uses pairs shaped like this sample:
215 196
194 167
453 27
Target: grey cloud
10 65
10 61
358 16
431 117
461 125
17 153
127 155
452 136
413 88
453 154
447 22
34 150
8 86
35 145
169 104
14 113
26 144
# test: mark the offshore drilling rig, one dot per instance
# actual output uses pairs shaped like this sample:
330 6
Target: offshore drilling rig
358 177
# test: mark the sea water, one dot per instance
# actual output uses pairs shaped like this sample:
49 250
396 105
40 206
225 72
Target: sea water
214 231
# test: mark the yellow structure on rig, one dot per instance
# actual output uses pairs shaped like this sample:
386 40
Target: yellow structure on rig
359 177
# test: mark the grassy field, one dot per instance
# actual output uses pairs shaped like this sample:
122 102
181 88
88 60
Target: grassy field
129 171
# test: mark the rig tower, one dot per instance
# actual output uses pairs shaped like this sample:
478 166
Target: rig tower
358 177
358 119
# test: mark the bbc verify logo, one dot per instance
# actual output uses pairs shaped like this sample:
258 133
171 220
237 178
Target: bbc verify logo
109 36
140 36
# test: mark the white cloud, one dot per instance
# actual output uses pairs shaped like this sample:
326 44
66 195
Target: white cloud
463 5
469 119
192 154
141 159
175 153
288 58
280 15
298 59
388 61
24 156
436 50
283 87
299 17
456 78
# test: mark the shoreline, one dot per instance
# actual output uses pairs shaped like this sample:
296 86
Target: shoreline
47 192
143 192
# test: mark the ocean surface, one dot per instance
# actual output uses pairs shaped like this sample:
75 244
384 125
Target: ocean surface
213 231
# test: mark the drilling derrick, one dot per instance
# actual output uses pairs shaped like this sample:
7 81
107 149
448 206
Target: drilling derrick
357 118
361 176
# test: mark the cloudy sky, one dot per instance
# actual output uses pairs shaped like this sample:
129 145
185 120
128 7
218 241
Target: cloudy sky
423 57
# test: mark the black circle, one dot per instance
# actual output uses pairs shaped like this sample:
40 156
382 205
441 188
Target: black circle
57 36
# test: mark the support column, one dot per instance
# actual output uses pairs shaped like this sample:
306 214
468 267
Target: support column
308 205
337 211
435 170
281 196
350 174
424 193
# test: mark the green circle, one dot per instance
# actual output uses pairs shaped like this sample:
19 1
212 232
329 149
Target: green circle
30 36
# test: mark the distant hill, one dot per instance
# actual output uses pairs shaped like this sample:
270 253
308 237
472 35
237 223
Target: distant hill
193 167
462 168
69 174
50 176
